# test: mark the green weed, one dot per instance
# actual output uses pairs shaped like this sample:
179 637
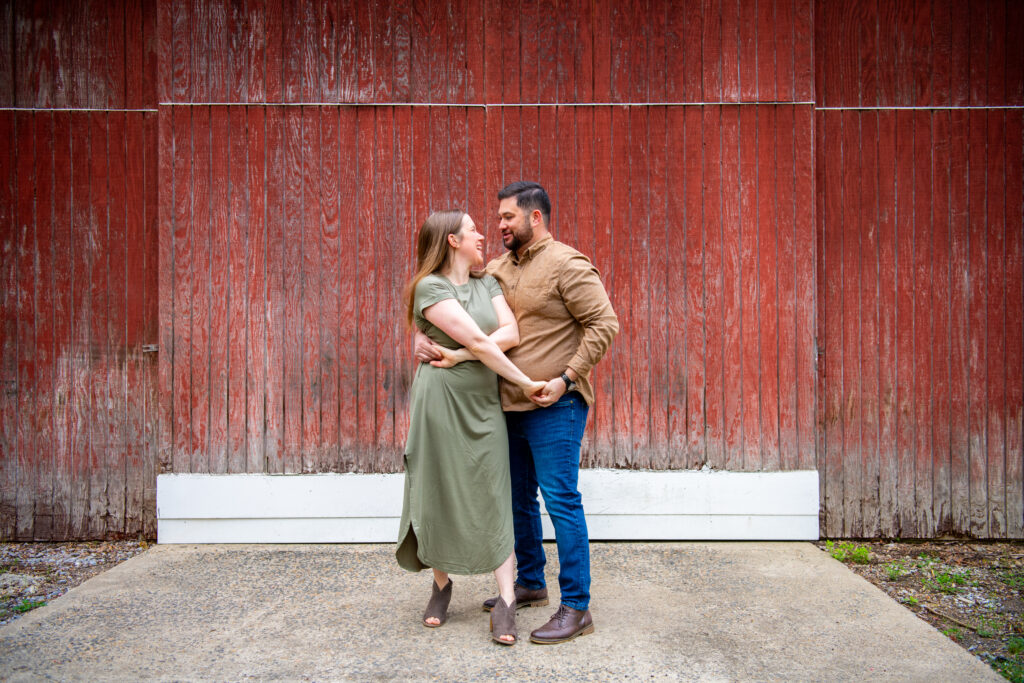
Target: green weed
848 552
1008 669
27 605
894 570
952 633
1012 579
1015 645
910 600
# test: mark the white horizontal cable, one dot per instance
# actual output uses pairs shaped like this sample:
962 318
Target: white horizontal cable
45 109
472 104
935 107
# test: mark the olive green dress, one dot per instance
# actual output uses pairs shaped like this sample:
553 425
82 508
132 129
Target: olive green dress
457 508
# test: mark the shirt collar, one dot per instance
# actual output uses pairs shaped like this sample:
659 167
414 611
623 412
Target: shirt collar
532 250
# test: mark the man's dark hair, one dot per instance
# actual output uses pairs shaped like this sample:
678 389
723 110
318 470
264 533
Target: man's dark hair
530 196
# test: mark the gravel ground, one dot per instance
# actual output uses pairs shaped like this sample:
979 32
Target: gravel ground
32 574
972 592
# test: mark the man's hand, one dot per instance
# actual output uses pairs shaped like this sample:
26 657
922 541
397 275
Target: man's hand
426 350
550 394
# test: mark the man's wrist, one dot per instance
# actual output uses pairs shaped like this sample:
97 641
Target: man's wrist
569 384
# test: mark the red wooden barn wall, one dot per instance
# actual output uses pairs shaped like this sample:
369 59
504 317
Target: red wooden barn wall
299 144
79 269
700 217
920 283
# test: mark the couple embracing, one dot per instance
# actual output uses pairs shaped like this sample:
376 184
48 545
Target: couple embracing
478 447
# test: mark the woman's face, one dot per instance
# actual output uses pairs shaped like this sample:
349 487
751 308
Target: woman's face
471 242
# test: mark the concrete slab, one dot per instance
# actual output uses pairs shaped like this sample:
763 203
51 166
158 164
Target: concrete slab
663 611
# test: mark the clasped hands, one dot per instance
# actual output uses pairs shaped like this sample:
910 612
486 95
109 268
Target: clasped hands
542 393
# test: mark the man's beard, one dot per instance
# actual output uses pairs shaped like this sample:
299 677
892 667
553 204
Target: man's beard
519 238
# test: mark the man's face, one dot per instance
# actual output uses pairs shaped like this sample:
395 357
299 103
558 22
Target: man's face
514 224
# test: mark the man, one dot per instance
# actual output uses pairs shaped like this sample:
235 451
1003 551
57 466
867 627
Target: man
566 324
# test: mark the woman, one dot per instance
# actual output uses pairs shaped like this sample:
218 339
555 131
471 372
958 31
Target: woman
456 511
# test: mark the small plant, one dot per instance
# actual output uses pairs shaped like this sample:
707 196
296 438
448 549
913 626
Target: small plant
1012 579
924 561
1008 669
894 570
986 629
27 605
848 552
952 633
910 600
1015 645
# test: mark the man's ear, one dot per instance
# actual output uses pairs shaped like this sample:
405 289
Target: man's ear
536 217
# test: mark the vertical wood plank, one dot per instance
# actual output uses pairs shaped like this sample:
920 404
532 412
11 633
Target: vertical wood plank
178 80
455 27
165 44
942 52
959 338
402 21
1014 42
492 54
257 267
803 53
273 58
180 272
888 494
202 293
383 54
63 309
152 303
586 238
921 64
199 65
995 93
904 323
117 343
9 326
852 391
331 277
140 322
622 435
348 83
275 272
366 301
293 76
960 76
219 59
46 296
100 421
386 314
293 348
941 295
785 60
405 250
718 125
238 247
788 340
996 321
749 443
583 64
805 290
719 51
81 308
256 53
239 50
696 242
768 300
640 371
348 233
220 287
832 188
27 354
868 351
311 288
977 324
1014 405
604 413
658 288
602 52
923 322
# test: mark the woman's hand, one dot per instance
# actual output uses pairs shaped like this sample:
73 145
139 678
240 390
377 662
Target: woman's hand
450 357
531 388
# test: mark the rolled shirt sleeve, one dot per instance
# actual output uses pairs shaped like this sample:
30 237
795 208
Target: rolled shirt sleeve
584 295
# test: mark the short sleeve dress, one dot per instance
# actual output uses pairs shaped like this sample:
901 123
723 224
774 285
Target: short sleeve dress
456 509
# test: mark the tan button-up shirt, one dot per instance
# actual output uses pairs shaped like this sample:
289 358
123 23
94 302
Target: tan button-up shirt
564 315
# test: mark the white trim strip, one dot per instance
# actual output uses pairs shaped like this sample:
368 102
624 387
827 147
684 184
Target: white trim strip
365 508
934 108
478 105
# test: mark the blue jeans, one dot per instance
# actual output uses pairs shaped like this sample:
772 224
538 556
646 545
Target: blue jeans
544 451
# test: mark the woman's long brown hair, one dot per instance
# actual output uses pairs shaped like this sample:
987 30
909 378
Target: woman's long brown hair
432 252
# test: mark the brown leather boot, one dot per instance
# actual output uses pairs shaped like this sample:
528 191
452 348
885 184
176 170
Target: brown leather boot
525 597
565 624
